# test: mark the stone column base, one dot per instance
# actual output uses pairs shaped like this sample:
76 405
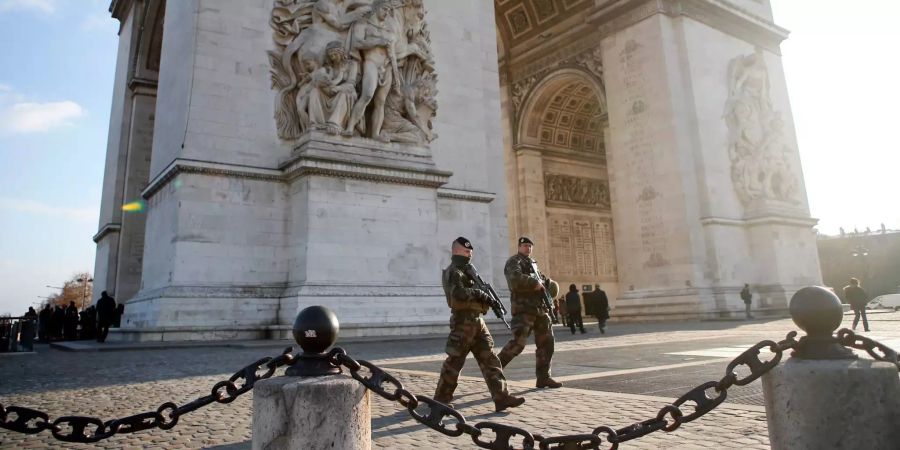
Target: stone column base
311 413
835 404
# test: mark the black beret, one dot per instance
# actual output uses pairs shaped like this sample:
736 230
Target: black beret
525 240
464 242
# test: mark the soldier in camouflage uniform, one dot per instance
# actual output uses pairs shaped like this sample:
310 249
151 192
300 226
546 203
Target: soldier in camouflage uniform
468 332
529 313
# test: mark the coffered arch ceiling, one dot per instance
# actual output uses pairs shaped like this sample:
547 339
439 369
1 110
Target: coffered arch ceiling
565 112
521 20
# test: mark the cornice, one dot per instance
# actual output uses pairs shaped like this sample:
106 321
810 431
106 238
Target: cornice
300 167
305 166
612 16
208 168
466 195
107 229
793 221
120 8
142 86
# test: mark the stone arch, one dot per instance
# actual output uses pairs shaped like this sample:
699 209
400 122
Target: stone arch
562 184
566 109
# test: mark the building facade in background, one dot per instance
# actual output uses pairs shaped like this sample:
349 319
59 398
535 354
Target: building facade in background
289 153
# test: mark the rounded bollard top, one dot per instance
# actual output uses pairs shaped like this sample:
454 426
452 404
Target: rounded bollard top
816 310
316 329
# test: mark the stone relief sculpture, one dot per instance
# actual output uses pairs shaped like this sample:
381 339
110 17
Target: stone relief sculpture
576 190
761 167
353 68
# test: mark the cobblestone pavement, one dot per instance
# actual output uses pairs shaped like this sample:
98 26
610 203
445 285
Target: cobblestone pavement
611 388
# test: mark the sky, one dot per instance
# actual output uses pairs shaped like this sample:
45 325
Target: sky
57 59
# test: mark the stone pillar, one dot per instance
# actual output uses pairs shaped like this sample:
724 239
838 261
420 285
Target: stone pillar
313 406
823 397
842 404
311 413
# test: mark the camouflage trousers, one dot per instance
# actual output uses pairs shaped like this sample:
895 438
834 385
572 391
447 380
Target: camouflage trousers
522 326
468 333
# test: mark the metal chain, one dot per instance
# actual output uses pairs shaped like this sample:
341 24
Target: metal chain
432 413
91 429
447 420
875 349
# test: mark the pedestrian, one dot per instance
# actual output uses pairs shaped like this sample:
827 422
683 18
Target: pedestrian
601 307
563 318
468 333
526 287
44 323
573 309
858 299
88 323
747 297
106 311
32 318
57 321
71 322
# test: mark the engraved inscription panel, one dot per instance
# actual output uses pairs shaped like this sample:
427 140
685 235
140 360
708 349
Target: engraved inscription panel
582 247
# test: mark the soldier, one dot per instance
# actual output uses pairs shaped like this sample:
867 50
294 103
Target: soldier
529 313
468 332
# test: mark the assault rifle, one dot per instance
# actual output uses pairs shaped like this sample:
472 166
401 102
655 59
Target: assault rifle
494 299
548 302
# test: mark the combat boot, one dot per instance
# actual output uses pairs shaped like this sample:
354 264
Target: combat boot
508 401
548 383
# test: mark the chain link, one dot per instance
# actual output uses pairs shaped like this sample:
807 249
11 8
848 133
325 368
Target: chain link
91 429
668 418
430 412
875 349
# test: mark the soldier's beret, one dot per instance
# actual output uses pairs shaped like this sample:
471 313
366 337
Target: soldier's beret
464 242
525 240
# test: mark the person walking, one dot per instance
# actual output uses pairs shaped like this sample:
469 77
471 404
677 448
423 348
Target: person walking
468 333
561 311
601 307
747 297
526 286
858 299
573 309
106 312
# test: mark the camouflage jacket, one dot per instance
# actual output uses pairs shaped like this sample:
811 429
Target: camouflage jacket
522 280
462 296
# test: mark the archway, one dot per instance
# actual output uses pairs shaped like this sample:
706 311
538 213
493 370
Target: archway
563 184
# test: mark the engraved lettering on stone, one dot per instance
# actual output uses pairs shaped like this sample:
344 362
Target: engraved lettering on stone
582 246
760 153
576 190
355 69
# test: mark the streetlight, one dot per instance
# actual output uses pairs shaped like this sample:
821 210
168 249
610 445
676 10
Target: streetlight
84 282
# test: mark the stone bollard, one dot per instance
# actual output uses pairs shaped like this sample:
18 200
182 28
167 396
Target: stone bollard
823 397
313 406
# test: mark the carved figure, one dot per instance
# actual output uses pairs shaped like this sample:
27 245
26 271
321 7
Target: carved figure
374 39
761 163
332 90
353 67
570 189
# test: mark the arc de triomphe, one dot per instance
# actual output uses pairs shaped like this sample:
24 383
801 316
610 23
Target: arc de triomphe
295 152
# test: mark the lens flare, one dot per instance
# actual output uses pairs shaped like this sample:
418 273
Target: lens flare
135 206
